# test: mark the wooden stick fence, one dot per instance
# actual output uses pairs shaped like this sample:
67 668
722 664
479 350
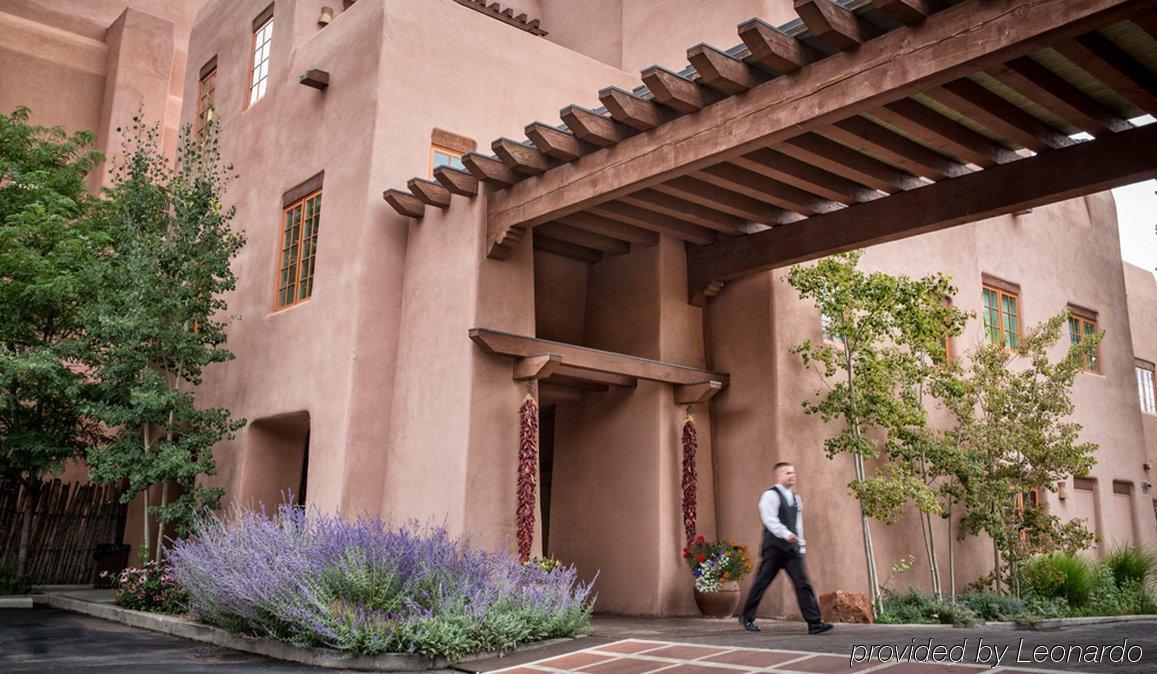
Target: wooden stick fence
68 521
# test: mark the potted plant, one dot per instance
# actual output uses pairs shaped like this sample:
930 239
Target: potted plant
717 567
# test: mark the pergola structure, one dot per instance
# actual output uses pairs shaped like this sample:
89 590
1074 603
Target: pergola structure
862 122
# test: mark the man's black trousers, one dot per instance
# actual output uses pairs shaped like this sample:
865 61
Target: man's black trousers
772 560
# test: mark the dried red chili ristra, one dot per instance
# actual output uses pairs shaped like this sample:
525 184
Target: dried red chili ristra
527 474
690 480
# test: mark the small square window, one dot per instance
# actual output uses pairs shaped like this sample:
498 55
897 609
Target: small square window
443 156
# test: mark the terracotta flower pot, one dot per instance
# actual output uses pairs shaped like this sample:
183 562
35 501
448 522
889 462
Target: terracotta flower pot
721 604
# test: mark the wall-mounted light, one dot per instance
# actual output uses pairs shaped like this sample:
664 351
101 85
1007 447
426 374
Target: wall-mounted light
1062 490
326 16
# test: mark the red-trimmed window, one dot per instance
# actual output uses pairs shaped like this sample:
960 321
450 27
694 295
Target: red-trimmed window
1079 327
206 92
298 250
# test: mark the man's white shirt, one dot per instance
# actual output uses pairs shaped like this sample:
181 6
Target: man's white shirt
769 513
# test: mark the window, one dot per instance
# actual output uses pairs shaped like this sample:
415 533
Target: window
298 250
262 44
206 90
1001 316
444 156
1145 387
1081 325
826 329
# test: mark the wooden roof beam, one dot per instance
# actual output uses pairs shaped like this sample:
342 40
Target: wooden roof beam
522 158
581 237
806 176
582 358
677 92
844 161
594 380
689 394
946 135
556 143
568 250
654 222
1083 168
404 203
635 112
833 25
429 192
773 50
611 228
457 181
871 138
1040 85
594 128
489 170
723 73
701 204
1098 56
536 367
905 11
995 113
758 186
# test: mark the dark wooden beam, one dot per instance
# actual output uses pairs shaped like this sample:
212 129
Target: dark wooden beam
721 200
651 221
758 186
594 128
592 360
611 228
568 250
489 170
806 176
871 138
723 73
637 113
536 367
1097 55
773 50
1083 168
318 79
992 111
522 158
457 181
832 24
844 161
404 203
949 137
905 11
558 144
581 237
593 380
429 192
689 394
692 203
950 44
1047 89
676 92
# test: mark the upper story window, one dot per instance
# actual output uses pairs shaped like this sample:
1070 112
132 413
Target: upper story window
447 149
444 156
206 92
262 44
1145 387
301 216
1080 325
1001 315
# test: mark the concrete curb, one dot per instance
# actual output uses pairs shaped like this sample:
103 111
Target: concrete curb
317 657
16 601
1043 624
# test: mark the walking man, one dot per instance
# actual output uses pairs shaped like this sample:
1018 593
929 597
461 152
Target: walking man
783 548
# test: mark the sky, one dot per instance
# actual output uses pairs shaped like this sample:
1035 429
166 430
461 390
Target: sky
1136 219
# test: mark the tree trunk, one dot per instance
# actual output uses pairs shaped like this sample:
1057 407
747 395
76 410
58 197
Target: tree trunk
144 553
861 474
33 489
995 567
951 555
161 524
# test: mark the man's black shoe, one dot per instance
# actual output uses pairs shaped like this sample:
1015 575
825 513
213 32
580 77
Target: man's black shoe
749 625
818 628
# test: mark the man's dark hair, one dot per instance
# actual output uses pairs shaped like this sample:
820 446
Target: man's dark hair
779 465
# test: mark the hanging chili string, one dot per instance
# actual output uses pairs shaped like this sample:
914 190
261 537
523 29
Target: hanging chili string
690 480
527 474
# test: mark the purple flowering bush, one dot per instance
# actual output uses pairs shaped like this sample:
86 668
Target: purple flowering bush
150 588
363 587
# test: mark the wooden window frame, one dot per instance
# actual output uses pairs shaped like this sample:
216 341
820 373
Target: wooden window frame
1083 319
265 18
1140 366
435 148
206 91
1002 290
298 197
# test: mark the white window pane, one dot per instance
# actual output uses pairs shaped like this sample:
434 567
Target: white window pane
261 89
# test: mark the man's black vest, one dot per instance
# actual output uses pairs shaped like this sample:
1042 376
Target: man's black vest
787 516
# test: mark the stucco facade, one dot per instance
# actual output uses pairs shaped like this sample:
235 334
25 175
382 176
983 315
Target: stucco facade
370 395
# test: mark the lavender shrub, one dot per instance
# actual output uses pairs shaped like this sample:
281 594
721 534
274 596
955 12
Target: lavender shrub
317 580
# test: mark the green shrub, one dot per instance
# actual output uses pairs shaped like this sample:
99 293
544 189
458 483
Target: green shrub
1131 564
914 607
989 606
12 582
1129 597
1059 576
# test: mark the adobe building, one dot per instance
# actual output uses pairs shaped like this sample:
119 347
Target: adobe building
615 245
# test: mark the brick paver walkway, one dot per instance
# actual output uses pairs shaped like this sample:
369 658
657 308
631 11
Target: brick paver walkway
639 656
